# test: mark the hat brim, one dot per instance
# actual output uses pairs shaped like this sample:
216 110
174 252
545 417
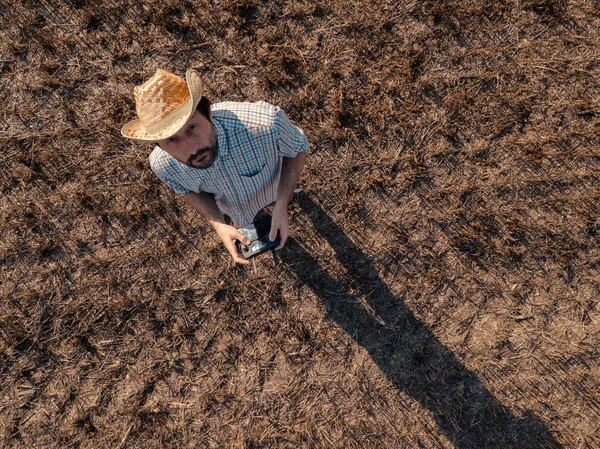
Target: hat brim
135 130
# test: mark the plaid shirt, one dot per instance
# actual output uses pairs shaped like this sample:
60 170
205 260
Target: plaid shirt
252 138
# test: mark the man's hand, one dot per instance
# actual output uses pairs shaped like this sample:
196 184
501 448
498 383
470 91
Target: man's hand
229 235
279 222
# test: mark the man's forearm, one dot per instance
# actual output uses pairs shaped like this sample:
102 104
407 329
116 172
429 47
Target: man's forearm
206 206
290 174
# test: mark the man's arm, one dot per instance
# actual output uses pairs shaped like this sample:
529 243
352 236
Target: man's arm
206 205
290 174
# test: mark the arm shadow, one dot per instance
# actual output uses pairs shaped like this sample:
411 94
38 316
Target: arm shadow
406 351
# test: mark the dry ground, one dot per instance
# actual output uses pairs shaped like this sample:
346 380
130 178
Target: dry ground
441 288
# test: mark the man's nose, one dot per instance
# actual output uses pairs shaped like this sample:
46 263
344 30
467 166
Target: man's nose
188 143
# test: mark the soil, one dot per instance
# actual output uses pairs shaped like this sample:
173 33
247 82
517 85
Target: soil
440 288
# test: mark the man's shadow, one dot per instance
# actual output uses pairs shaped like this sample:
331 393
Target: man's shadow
411 357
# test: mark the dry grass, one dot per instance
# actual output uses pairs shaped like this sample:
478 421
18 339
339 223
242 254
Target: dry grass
442 286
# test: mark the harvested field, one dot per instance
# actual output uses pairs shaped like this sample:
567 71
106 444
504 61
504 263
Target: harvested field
441 286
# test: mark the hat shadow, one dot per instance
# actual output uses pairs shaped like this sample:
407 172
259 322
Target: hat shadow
405 350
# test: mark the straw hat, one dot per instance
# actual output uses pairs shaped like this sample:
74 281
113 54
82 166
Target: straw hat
163 104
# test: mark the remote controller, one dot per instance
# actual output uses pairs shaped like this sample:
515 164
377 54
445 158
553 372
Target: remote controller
258 233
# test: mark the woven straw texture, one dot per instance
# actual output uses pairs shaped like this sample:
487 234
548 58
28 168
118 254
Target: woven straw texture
163 104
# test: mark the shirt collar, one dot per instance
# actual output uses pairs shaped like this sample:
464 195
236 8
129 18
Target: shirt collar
221 139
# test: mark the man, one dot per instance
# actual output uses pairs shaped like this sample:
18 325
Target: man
227 158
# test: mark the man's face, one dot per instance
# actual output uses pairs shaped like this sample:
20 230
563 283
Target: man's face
195 144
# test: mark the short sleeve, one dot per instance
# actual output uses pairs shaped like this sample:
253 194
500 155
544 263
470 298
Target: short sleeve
175 186
290 139
161 170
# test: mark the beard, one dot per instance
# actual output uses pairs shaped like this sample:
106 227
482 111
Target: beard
205 156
